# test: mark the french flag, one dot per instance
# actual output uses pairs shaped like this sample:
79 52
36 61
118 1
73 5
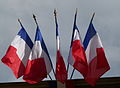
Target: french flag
96 58
77 57
38 65
61 72
18 53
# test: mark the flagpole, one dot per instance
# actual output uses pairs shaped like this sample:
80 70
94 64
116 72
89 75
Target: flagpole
55 14
20 22
71 42
35 19
72 73
92 17
67 67
50 77
49 58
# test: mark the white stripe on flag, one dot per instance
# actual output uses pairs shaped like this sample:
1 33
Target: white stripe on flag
23 50
92 46
38 52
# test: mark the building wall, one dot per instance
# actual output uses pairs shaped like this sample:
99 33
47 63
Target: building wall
78 83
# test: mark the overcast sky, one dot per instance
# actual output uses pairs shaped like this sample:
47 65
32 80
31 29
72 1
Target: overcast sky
106 22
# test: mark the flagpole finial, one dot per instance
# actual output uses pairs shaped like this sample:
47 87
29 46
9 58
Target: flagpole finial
34 17
19 21
92 16
55 12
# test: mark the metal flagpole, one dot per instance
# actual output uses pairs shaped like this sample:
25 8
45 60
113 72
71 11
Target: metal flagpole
92 17
20 22
55 14
49 58
71 42
72 73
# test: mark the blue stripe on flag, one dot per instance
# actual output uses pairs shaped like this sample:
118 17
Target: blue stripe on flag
25 37
57 31
90 33
39 37
56 27
74 28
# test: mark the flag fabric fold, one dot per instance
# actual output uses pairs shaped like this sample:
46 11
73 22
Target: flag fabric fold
38 65
77 57
18 52
96 58
61 72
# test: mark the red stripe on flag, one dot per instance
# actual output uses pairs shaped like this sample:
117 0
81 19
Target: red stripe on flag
12 60
61 73
80 58
35 71
97 67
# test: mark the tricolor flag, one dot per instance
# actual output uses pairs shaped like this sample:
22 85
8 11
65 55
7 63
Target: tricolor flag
38 65
96 58
61 73
18 52
77 57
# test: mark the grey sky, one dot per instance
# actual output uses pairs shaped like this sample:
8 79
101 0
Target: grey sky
106 22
